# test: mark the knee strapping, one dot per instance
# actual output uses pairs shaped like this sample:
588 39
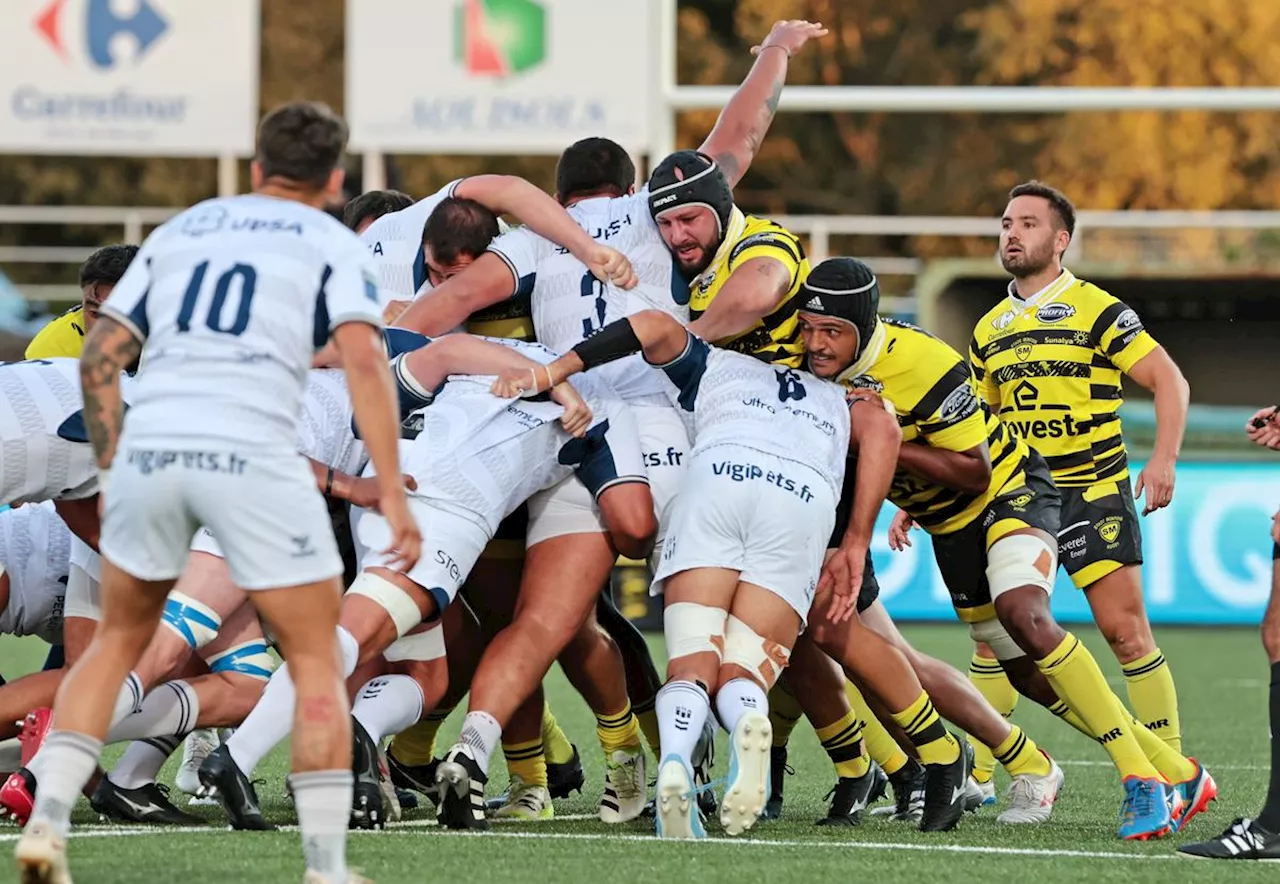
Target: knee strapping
994 635
418 647
691 628
402 609
251 659
195 623
1020 560
745 648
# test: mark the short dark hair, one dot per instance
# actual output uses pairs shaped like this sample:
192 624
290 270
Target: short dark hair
373 205
107 265
301 142
594 164
459 227
1062 207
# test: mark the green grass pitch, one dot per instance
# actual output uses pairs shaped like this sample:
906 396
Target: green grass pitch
1222 683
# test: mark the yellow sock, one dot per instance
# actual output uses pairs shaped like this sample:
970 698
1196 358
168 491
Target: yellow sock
1063 711
843 743
648 719
1153 697
618 731
988 676
1173 766
1020 755
931 739
784 713
416 745
1077 680
881 746
558 748
528 761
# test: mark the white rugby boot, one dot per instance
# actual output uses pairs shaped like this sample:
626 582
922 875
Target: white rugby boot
41 856
626 786
748 784
1031 798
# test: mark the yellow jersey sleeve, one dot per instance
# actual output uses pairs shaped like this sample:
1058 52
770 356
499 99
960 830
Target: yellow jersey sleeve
774 242
987 388
949 416
1118 335
63 336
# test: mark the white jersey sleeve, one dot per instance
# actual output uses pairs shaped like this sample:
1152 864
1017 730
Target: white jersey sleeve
350 291
523 251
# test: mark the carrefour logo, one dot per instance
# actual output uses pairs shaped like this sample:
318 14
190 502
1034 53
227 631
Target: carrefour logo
103 30
498 38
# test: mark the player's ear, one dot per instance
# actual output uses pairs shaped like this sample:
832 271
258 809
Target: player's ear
631 190
255 175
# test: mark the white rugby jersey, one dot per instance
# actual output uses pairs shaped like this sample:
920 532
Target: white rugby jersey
44 452
570 305
231 299
35 550
395 244
732 398
486 455
326 430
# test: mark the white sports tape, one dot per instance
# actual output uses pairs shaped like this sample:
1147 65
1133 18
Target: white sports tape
691 628
418 647
993 634
1021 560
746 648
395 601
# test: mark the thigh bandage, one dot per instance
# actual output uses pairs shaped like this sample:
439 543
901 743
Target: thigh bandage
1021 560
251 658
418 647
992 633
745 648
195 623
402 609
691 628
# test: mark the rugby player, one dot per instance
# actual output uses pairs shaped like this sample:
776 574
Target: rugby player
740 568
1048 359
362 211
216 448
99 274
992 510
1259 838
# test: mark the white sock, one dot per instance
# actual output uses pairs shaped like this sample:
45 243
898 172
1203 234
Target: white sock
482 733
170 709
129 699
272 718
69 759
387 705
10 755
141 762
322 799
736 698
682 708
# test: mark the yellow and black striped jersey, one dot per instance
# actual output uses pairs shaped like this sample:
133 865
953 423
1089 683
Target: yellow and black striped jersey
1050 368
776 337
933 394
63 336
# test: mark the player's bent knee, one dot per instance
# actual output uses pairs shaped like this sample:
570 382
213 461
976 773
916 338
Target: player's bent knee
251 659
760 658
397 604
993 634
194 622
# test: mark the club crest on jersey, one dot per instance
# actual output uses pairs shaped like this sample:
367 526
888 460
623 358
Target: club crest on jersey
1002 321
705 282
1022 348
1050 313
1109 529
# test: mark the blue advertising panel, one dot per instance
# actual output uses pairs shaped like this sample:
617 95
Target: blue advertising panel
1207 557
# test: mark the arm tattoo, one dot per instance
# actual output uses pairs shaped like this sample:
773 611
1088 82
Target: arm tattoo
737 157
108 350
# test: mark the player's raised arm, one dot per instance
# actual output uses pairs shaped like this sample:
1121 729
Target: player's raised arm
742 124
486 282
463 354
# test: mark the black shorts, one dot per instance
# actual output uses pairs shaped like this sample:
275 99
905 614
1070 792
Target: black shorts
1100 531
844 509
962 555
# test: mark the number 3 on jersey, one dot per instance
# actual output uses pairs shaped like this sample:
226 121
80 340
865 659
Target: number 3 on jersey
214 318
593 288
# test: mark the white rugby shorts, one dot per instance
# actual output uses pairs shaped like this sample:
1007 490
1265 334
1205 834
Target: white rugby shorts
452 541
263 507
656 448
761 515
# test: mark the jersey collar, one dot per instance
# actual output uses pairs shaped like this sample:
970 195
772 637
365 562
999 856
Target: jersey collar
870 356
1046 295
737 224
